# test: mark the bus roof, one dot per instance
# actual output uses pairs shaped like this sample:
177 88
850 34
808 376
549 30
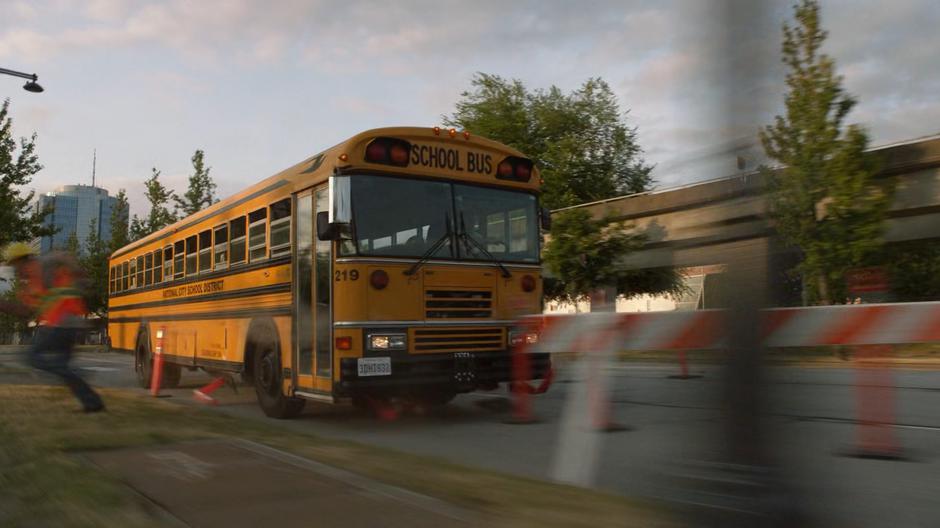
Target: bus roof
319 167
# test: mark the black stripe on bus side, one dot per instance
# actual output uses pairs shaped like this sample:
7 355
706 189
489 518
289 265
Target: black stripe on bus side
218 364
229 207
235 294
238 270
199 316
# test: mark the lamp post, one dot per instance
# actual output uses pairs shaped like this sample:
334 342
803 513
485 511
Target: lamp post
31 84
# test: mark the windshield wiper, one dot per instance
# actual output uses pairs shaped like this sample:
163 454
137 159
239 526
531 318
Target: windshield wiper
463 235
433 249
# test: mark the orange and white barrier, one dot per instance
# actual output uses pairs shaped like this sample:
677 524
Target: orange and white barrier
603 334
859 324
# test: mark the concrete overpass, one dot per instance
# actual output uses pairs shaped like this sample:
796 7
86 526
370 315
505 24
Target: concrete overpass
698 224
701 224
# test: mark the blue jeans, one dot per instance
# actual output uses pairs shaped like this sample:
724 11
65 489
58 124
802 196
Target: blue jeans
51 352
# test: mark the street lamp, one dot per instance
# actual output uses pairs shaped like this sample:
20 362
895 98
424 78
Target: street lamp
31 84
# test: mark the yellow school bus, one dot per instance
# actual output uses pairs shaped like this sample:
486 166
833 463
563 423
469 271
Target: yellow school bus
391 266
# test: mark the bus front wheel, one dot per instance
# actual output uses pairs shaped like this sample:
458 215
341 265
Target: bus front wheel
268 378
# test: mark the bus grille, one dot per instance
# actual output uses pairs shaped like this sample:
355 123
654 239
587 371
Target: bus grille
458 304
458 339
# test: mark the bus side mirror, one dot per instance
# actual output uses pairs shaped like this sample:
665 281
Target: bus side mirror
325 229
546 218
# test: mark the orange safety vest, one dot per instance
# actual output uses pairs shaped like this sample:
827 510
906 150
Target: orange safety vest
60 303
53 305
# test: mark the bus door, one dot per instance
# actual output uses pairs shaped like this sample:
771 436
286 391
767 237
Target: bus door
313 353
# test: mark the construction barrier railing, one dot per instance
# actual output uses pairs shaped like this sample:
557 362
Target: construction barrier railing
599 336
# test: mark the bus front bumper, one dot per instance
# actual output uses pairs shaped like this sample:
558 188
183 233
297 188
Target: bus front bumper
459 372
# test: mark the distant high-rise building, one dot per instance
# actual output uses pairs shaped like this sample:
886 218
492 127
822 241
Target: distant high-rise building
73 207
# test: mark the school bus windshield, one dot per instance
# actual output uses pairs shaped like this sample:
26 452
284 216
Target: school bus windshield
397 217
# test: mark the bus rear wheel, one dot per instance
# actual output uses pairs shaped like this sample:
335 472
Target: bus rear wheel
268 378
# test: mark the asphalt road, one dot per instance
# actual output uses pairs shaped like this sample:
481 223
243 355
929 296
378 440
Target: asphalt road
675 425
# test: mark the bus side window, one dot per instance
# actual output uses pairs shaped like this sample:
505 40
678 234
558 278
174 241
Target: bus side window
158 266
205 251
125 274
191 255
111 281
133 273
237 236
140 271
148 269
178 254
168 263
220 250
257 235
280 228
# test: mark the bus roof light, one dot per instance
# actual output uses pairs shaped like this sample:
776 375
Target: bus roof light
466 134
437 131
514 168
376 152
452 132
344 157
388 151
504 171
398 154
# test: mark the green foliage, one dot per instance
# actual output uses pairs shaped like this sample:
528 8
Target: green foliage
71 245
585 254
94 264
201 192
579 140
160 215
120 222
914 268
825 200
10 323
19 222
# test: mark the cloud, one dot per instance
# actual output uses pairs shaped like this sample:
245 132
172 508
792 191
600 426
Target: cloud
695 78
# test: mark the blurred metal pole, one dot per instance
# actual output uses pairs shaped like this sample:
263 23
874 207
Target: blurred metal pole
749 51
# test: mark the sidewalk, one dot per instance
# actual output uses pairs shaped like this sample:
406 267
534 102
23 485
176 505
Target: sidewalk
238 483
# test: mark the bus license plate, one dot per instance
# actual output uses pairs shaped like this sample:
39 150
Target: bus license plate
380 366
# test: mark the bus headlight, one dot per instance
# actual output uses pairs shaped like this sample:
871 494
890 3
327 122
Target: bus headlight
387 342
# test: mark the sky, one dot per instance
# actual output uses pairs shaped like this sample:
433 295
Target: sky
262 85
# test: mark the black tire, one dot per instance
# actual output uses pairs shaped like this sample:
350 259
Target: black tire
143 366
142 362
268 377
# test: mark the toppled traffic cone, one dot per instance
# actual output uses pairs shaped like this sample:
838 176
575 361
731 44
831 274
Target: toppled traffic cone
203 394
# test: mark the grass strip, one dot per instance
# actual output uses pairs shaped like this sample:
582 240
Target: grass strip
43 484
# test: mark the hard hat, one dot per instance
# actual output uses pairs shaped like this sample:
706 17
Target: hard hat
17 250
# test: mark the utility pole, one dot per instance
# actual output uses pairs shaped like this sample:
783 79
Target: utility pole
94 163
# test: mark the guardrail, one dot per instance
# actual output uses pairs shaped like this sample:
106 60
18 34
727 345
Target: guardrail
598 336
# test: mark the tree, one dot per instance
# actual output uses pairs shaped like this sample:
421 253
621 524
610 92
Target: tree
160 215
914 268
201 191
94 262
120 222
19 221
71 245
586 254
579 141
825 201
